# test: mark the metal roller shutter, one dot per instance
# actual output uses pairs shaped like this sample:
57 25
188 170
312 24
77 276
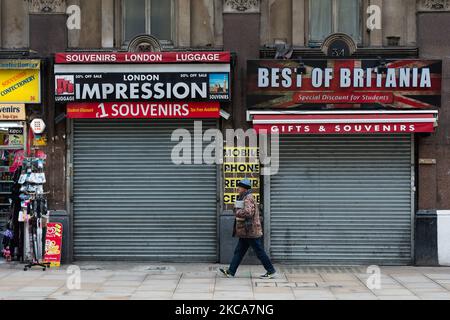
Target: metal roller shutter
131 201
342 200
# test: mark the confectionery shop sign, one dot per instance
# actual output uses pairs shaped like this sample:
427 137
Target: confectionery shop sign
372 84
20 81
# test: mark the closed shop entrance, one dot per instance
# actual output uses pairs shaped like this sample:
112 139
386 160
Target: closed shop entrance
130 202
345 190
342 200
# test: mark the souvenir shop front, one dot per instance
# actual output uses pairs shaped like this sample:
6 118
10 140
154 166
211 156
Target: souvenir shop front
12 150
130 199
20 94
345 189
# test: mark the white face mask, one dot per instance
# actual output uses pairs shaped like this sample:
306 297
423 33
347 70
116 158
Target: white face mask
239 204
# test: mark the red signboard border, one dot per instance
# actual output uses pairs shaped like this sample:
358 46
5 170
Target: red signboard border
142 57
327 129
107 108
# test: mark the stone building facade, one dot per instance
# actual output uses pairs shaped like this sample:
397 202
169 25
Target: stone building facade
249 29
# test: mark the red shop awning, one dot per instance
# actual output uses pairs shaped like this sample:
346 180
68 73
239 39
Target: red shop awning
344 122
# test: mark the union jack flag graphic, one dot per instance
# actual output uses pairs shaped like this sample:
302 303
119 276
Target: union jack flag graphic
369 84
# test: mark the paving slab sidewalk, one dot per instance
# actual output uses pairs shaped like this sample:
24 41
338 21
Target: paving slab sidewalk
145 281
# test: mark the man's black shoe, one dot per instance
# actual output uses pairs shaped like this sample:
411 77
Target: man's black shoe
225 272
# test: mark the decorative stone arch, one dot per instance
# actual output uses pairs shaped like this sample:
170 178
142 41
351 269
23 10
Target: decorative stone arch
339 45
144 43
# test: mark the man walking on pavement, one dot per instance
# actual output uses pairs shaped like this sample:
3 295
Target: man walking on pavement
247 226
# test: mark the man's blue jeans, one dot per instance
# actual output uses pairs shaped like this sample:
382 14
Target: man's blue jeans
241 250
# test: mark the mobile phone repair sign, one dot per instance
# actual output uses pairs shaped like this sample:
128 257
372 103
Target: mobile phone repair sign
20 81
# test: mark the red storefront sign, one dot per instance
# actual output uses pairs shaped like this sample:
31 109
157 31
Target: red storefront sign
345 123
346 128
143 110
344 84
143 57
53 244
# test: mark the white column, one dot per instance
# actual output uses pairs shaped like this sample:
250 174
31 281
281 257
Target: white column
265 22
183 23
1 19
376 35
393 20
443 235
73 36
298 23
107 23
15 24
411 22
218 23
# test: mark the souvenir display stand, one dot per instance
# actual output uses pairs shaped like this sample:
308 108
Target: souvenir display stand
12 152
34 210
22 198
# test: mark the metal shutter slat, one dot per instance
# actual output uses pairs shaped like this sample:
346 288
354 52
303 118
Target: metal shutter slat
132 202
342 200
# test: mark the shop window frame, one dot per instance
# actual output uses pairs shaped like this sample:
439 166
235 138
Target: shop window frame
167 43
335 23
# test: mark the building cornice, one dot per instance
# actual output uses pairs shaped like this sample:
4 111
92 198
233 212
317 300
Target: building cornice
46 6
363 52
241 6
433 5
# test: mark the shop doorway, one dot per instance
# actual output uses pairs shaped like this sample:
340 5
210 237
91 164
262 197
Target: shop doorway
130 202
343 200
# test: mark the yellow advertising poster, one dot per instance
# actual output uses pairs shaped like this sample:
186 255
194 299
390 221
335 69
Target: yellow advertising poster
20 81
40 141
233 182
236 152
16 140
241 167
240 163
12 112
230 198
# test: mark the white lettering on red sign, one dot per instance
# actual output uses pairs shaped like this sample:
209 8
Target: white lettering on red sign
347 128
142 57
183 57
348 78
112 110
